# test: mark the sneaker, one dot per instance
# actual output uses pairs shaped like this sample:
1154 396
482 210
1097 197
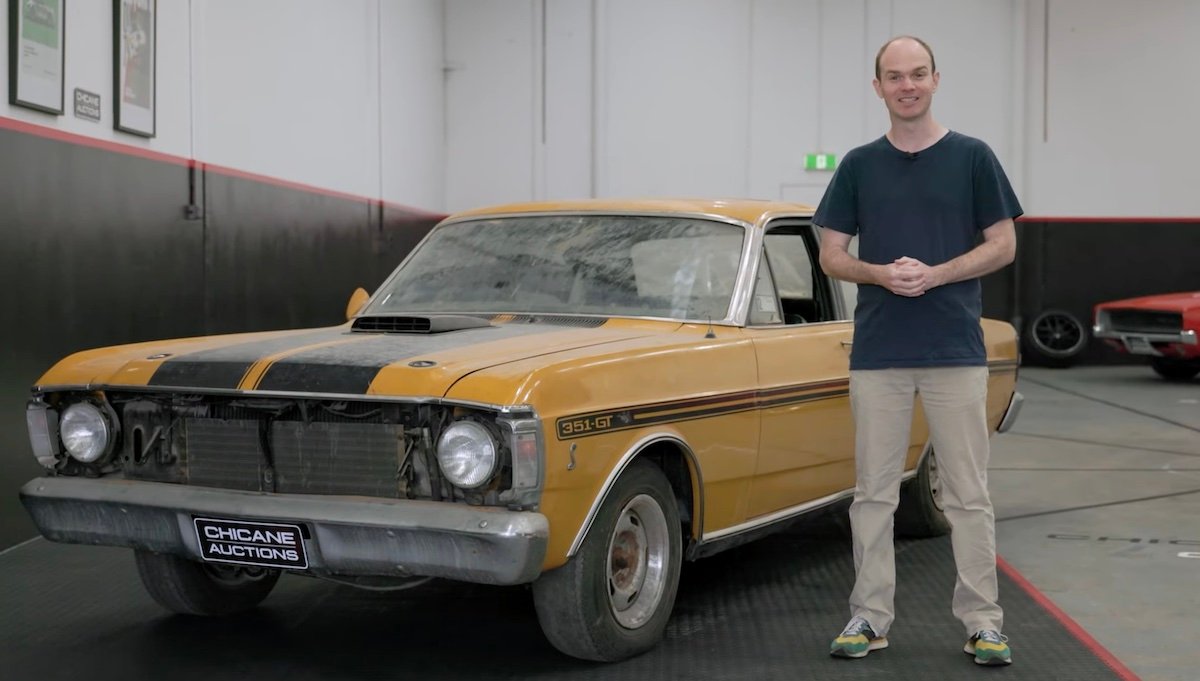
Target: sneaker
856 640
989 647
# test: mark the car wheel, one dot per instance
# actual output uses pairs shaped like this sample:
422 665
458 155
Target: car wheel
1055 338
1174 369
192 588
920 513
612 599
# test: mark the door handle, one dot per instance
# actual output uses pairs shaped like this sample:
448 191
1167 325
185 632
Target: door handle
846 344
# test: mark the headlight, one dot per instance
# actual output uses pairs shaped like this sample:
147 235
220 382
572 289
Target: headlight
85 431
466 454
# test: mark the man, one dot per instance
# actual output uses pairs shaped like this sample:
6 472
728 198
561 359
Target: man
933 212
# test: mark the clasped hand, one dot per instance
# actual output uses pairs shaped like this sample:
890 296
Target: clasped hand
908 277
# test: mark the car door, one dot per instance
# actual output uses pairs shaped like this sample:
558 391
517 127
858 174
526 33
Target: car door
802 345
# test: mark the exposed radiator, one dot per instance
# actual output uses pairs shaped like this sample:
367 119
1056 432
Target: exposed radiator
312 458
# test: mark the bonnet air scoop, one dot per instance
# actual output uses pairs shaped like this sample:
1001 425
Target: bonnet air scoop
407 324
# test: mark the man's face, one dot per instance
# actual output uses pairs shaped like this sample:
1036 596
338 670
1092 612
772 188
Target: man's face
906 80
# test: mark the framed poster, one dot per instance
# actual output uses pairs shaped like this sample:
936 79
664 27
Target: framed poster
134 72
35 54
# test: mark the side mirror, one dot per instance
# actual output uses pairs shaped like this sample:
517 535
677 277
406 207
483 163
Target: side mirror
357 300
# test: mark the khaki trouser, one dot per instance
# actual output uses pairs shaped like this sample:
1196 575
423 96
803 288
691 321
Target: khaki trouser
954 399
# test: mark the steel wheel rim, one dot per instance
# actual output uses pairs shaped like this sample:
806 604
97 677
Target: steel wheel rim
639 551
1057 334
935 481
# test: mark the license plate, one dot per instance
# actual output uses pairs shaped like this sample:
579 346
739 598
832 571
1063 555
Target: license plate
275 545
1138 345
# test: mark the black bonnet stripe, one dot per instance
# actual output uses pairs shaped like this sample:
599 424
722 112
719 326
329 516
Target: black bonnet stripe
341 379
349 369
224 367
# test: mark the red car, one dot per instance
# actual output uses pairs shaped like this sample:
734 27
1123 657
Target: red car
1162 327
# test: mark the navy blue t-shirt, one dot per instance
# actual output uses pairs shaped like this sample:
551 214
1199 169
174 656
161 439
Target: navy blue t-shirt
931 206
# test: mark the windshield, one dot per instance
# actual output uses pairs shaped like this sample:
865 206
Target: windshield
643 266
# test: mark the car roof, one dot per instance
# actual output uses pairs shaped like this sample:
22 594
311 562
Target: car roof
750 211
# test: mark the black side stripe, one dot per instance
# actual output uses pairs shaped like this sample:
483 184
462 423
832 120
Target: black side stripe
636 417
593 423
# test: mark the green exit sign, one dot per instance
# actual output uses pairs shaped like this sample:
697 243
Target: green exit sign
820 161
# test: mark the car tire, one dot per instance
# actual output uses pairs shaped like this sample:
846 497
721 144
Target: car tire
1175 369
613 598
190 588
919 513
1055 338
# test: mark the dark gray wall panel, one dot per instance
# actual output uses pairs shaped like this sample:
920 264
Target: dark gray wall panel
97 250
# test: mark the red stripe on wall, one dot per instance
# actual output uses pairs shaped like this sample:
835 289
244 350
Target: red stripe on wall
85 141
127 150
116 147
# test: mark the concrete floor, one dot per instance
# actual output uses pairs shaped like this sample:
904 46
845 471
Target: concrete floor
1097 495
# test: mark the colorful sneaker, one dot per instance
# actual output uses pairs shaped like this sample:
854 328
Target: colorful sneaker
856 640
989 647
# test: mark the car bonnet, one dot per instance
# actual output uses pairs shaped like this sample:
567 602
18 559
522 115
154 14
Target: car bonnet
336 360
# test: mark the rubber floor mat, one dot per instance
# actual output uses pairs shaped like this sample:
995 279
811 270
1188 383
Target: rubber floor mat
766 610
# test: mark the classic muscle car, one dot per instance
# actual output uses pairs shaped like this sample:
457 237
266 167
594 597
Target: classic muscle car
1162 328
576 395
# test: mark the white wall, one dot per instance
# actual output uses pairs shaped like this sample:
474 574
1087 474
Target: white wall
1117 134
289 85
677 123
492 78
344 95
723 97
698 97
412 137
445 104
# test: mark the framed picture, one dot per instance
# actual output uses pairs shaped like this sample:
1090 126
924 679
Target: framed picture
35 54
135 36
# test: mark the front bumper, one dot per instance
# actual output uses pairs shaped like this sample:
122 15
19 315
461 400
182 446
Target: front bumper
349 536
1136 343
1011 413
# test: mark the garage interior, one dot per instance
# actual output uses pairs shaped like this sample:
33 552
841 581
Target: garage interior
267 195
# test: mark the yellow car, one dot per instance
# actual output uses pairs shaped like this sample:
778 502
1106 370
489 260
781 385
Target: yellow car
577 395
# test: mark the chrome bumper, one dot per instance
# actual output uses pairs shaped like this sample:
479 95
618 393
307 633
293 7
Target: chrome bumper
1141 343
347 535
1010 414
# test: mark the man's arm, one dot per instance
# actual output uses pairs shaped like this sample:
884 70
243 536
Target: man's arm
837 262
998 249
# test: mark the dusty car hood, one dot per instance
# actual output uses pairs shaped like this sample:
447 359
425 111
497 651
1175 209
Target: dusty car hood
1174 302
332 360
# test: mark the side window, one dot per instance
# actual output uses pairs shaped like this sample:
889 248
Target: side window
764 306
801 286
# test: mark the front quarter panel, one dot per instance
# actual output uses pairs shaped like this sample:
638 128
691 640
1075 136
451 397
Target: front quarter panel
599 406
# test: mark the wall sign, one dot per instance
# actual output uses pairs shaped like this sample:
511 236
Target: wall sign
87 105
